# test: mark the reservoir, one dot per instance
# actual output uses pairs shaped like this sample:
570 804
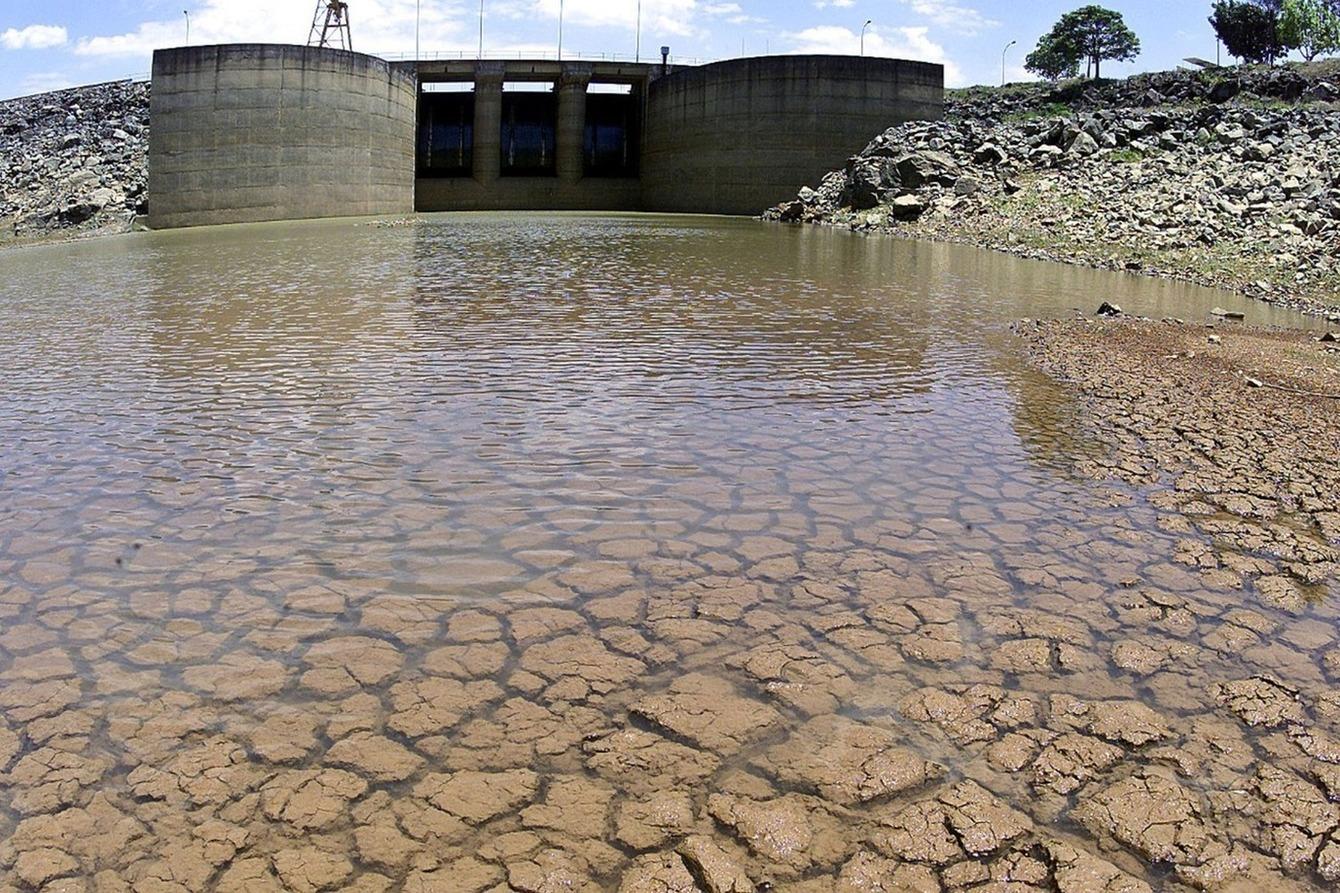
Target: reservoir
569 552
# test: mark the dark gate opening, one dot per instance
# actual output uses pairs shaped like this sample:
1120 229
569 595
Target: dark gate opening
529 125
446 133
613 124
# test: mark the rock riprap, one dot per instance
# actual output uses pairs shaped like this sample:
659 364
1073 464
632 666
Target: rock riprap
74 161
1225 178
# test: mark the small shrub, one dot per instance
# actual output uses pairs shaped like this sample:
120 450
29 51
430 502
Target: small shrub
1127 155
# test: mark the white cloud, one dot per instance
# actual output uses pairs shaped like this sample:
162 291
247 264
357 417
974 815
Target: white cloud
45 82
1016 73
835 4
899 43
946 14
658 16
377 26
34 37
732 13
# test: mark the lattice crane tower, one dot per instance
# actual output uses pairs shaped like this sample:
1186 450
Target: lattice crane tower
330 25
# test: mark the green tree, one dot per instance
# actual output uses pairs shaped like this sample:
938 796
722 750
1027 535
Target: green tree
1309 26
1090 33
1249 31
1053 60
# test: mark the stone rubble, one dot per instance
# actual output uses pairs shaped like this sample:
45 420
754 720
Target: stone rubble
74 161
1224 178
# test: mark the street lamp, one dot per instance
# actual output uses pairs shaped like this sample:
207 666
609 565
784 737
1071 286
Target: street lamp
481 29
637 46
417 10
187 13
560 30
1002 60
868 23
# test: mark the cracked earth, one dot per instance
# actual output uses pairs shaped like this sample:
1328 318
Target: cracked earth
950 650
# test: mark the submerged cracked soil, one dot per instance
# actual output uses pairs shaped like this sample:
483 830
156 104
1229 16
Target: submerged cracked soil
890 652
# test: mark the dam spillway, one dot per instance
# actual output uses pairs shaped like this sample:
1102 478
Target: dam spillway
251 132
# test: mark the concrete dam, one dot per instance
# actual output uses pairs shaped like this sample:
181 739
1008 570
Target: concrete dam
252 132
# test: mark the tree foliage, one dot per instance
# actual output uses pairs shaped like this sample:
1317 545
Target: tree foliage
1053 60
1091 34
1310 26
1250 31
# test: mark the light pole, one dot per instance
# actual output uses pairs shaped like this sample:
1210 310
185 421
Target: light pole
560 30
417 10
1002 60
868 23
637 45
187 13
481 29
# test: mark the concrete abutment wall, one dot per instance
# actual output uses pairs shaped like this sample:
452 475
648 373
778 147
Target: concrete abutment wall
254 132
249 132
737 137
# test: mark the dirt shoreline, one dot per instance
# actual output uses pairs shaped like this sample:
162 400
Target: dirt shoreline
1238 427
1223 178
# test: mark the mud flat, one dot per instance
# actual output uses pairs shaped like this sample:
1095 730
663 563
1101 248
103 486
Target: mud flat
1237 427
369 586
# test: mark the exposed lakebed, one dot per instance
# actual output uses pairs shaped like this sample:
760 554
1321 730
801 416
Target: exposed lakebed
613 553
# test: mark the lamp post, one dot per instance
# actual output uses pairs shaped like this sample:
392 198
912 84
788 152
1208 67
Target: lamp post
481 29
637 44
417 11
187 13
1002 60
868 23
560 30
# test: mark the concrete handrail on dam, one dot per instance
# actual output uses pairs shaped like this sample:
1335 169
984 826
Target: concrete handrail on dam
266 132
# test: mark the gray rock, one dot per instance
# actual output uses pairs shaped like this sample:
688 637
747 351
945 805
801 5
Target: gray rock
989 153
1083 144
907 207
915 170
967 186
1261 151
1225 90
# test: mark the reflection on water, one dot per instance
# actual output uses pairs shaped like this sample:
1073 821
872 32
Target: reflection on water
530 550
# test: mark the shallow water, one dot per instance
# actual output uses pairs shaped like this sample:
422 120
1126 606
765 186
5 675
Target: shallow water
520 549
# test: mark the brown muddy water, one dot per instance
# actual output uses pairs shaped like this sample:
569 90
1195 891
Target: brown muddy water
571 553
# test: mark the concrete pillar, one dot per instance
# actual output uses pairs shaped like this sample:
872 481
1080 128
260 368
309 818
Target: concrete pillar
570 133
487 162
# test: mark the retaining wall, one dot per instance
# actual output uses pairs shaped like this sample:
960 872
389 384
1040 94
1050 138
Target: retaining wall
248 132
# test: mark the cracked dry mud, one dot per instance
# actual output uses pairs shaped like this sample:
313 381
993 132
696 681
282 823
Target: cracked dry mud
873 651
1085 730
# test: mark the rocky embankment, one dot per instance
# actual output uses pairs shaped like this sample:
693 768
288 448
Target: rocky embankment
74 161
1227 178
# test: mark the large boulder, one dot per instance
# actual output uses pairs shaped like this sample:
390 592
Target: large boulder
920 168
1083 144
1223 91
907 207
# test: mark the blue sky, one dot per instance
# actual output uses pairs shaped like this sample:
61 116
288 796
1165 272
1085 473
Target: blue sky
46 44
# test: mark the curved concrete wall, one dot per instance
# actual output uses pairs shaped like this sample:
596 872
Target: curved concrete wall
737 137
247 132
